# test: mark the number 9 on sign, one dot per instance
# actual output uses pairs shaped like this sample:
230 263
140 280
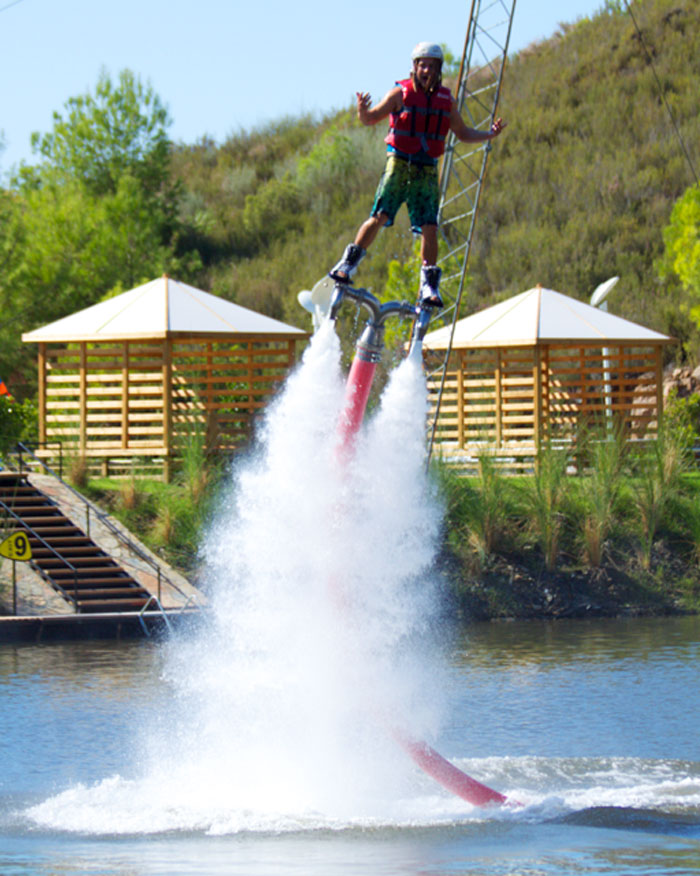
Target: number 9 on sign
16 547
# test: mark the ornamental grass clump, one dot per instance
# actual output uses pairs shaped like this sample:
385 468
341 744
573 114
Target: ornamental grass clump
129 497
164 527
545 498
488 518
657 486
195 469
600 492
185 505
78 471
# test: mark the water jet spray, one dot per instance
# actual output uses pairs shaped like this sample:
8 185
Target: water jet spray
368 353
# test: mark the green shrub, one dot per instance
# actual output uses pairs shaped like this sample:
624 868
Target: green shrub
17 422
681 420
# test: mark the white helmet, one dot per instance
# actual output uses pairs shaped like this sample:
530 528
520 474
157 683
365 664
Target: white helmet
427 50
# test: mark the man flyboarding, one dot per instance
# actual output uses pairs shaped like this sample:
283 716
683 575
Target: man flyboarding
421 111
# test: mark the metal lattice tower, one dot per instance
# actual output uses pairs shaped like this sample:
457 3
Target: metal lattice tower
464 164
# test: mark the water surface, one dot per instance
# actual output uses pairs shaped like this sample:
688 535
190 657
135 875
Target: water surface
591 726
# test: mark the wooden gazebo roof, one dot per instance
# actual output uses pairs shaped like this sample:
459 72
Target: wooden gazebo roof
542 316
160 309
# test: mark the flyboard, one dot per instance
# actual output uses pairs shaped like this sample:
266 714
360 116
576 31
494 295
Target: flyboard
318 300
324 302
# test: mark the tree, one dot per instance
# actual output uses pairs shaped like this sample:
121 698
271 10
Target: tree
120 129
98 214
117 134
273 211
682 246
77 248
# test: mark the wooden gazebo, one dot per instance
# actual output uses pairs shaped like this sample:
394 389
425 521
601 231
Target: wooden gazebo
538 367
131 376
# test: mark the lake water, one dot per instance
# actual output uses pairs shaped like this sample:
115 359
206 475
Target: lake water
592 727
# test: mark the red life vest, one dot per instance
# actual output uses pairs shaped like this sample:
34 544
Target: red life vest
422 122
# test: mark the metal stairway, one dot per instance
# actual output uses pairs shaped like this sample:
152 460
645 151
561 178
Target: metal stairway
65 557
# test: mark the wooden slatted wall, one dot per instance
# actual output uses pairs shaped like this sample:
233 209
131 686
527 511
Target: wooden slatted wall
594 388
138 398
222 387
506 401
106 398
488 399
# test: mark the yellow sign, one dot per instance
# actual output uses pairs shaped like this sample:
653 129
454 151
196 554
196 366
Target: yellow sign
16 547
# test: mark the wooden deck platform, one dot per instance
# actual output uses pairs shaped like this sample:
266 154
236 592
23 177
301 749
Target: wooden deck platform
72 627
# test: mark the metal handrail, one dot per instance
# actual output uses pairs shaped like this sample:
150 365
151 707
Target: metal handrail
27 445
104 518
190 599
161 610
37 568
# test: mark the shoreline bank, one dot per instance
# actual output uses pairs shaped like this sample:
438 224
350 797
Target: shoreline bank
511 588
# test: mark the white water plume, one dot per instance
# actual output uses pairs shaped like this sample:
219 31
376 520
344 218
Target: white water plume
320 641
323 594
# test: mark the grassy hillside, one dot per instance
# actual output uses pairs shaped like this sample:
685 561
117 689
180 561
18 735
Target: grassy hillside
580 187
274 208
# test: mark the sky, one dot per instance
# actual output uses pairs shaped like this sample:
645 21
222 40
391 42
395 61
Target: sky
222 66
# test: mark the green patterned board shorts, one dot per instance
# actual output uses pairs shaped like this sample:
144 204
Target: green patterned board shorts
416 184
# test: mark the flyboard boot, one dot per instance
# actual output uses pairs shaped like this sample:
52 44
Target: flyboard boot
429 294
347 266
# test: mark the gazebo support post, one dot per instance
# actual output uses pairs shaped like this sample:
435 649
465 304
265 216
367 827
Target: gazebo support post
42 392
545 396
499 396
616 363
250 375
537 397
125 395
82 435
460 403
209 411
167 372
